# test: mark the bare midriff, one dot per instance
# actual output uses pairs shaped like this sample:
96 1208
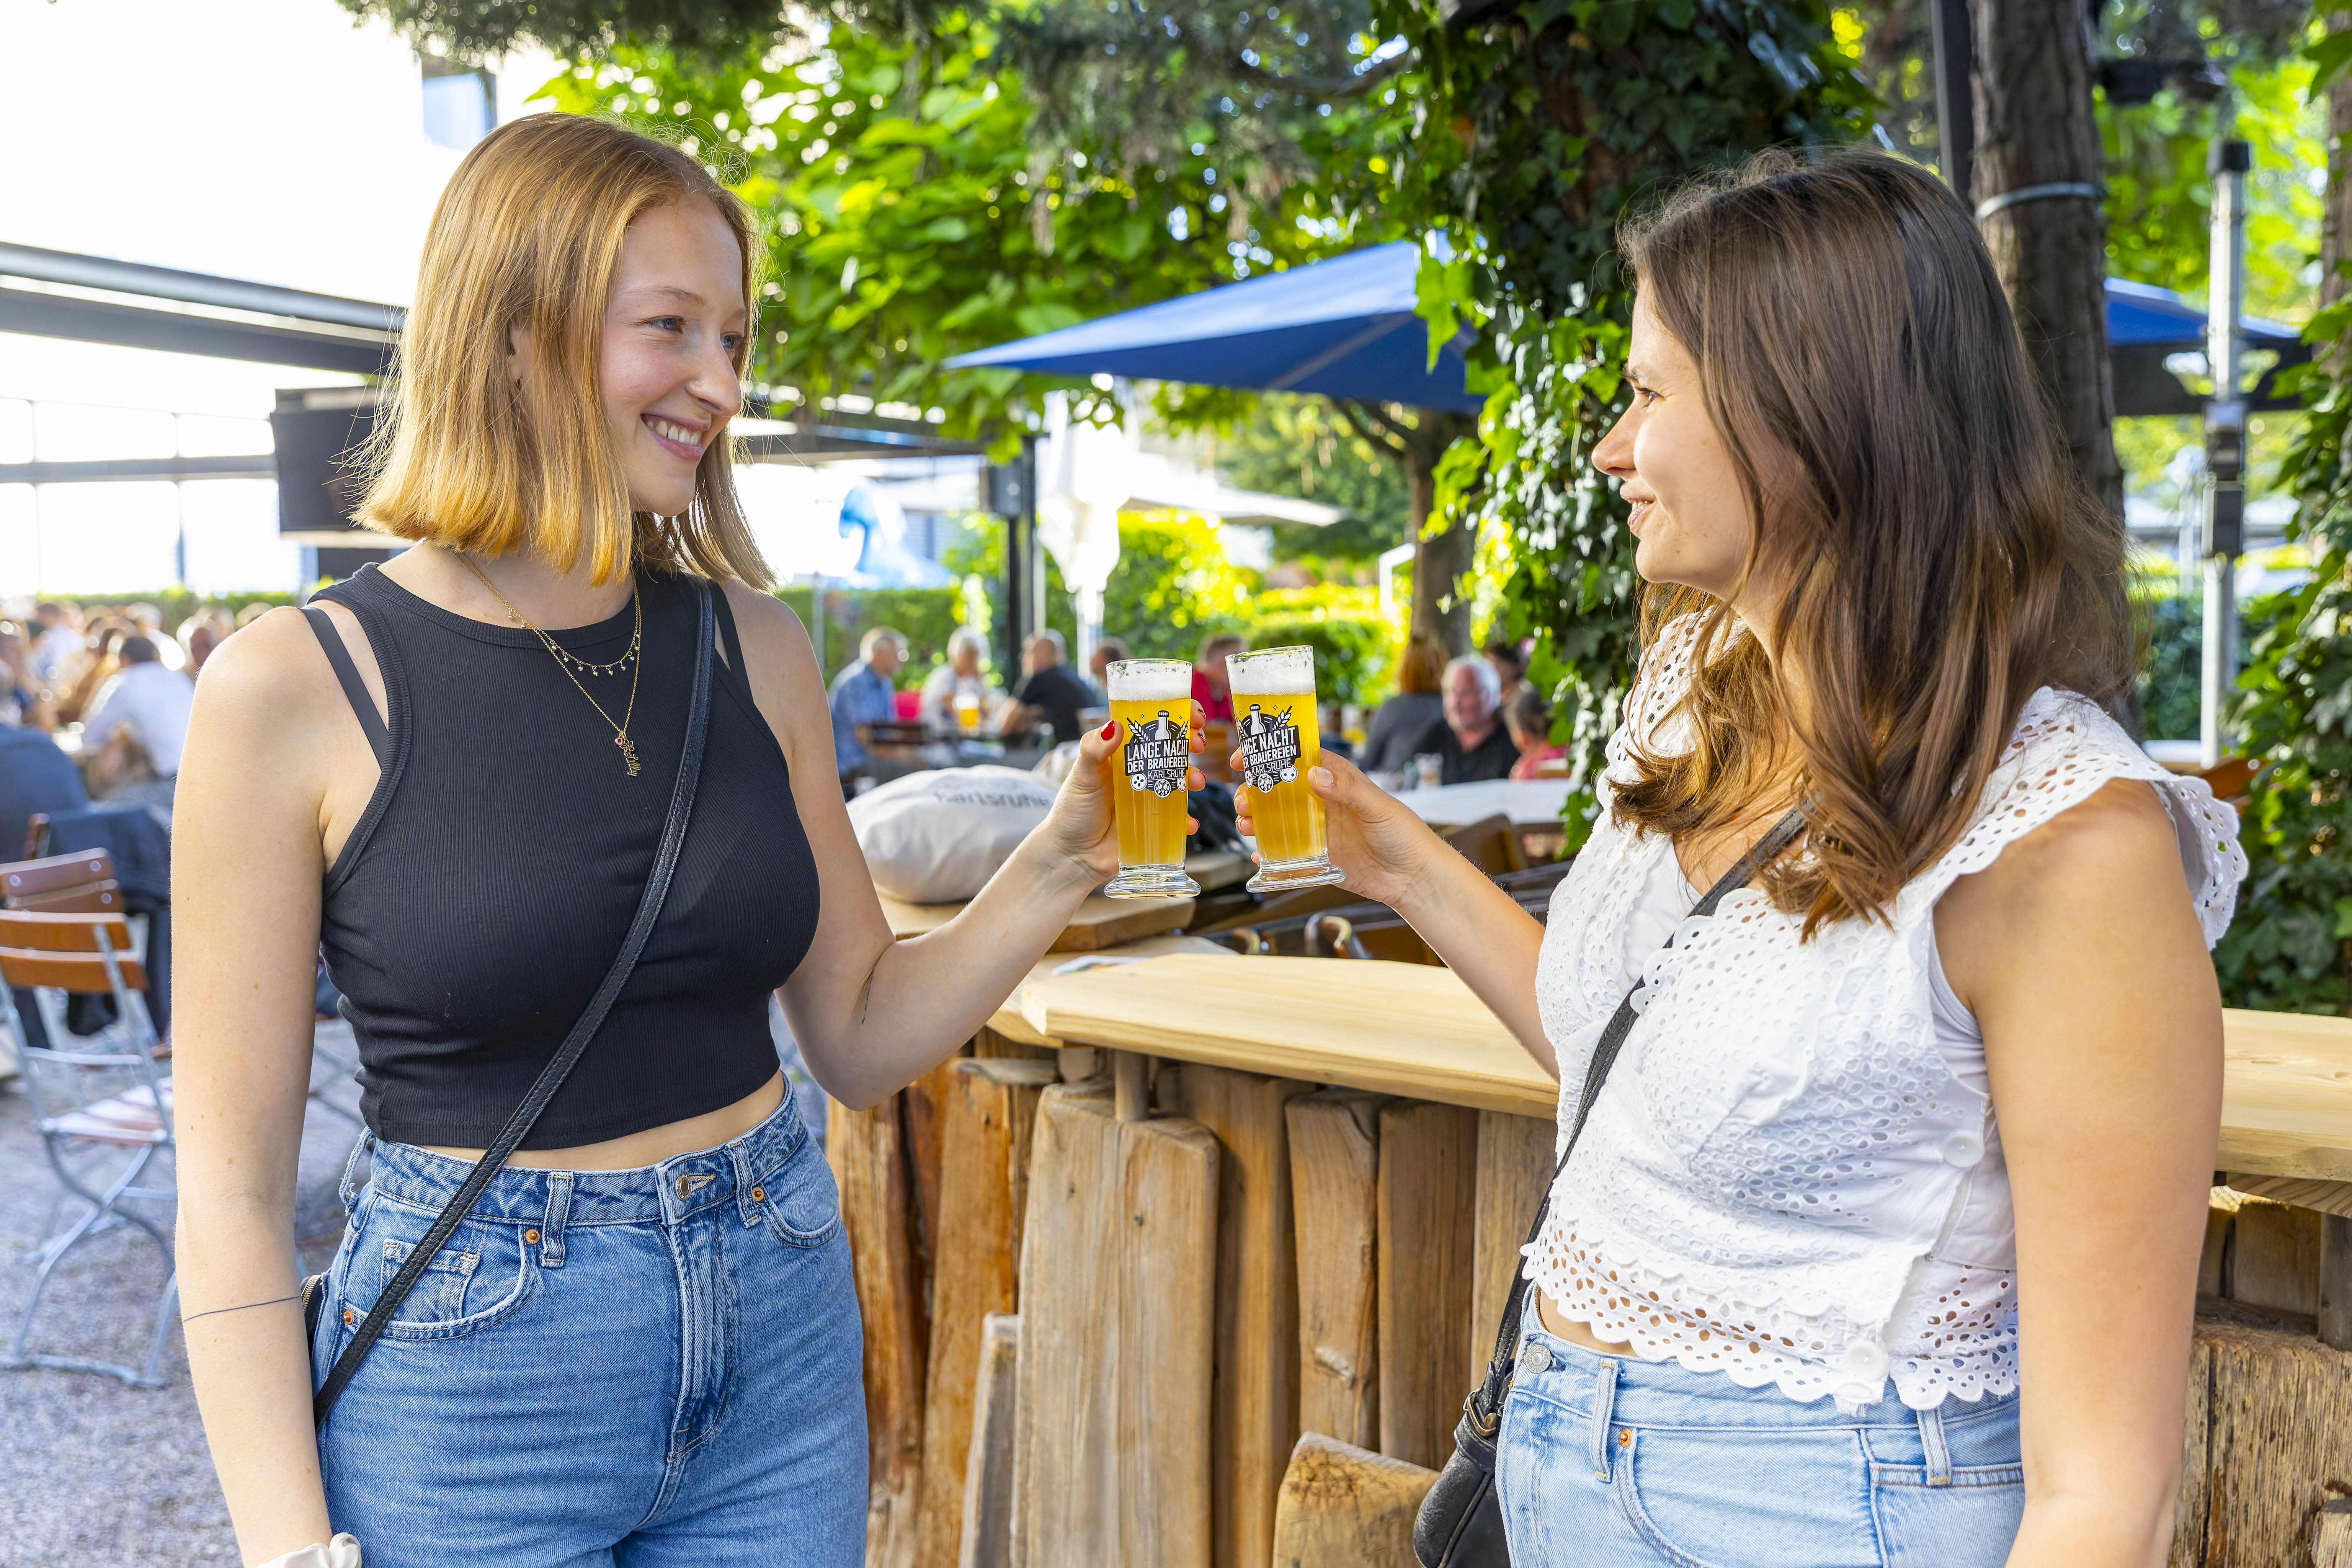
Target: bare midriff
653 1145
1574 1333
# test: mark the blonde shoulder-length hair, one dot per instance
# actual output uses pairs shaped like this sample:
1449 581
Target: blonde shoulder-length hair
527 234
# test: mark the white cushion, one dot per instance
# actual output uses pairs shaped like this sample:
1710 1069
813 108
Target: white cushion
937 837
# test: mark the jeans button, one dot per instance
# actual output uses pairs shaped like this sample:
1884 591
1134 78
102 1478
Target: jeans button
1539 1357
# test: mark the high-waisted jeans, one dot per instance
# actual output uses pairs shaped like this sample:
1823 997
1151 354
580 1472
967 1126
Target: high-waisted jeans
657 1368
1608 1460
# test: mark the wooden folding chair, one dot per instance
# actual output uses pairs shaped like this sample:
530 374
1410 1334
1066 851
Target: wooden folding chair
103 1111
80 883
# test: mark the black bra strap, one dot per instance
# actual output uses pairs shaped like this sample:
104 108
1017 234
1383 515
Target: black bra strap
353 687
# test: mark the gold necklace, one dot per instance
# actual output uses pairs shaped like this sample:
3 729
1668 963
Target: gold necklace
564 661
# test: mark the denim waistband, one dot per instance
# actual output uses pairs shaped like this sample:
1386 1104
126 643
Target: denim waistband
1667 1393
674 1190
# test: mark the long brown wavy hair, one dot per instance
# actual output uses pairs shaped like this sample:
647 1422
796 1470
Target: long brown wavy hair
1941 557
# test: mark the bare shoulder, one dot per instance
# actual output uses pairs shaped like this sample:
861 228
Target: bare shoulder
2117 836
2098 891
775 645
268 672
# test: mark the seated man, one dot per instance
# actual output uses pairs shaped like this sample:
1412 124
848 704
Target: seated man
35 776
863 696
1052 694
149 704
1470 742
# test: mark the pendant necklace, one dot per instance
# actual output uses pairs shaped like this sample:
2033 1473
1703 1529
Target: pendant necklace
566 661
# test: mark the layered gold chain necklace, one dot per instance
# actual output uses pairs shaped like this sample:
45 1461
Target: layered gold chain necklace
568 662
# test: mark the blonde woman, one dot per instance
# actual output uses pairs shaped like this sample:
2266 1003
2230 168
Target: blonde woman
639 1344
1818 1286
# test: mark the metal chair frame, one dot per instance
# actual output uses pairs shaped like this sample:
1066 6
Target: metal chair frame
69 1127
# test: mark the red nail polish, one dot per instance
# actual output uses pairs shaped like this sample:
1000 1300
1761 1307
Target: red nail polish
1111 731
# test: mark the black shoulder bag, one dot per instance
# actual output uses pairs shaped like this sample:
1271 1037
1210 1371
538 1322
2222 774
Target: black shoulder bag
1460 1524
551 1077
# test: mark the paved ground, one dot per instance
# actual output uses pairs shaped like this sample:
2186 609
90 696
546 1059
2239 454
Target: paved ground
93 1472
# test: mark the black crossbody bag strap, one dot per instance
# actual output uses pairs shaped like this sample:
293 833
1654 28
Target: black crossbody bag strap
1459 1524
550 1078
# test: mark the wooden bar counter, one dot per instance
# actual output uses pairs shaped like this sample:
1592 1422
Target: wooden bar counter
1192 1262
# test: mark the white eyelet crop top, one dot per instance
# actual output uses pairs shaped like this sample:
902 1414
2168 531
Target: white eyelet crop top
1793 1174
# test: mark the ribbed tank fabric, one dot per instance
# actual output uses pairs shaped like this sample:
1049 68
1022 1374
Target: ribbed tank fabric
480 899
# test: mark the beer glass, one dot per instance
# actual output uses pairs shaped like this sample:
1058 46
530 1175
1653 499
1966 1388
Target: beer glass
1274 713
1152 703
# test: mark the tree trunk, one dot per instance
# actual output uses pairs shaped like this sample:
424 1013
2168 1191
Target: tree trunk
2036 128
1441 561
2336 223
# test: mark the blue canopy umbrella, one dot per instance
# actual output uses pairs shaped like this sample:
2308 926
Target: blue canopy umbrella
1345 328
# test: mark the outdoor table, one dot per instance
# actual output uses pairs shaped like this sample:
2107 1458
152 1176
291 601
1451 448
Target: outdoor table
1216 1201
1528 802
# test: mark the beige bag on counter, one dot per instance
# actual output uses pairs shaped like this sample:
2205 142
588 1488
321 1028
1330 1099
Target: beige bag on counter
342 1552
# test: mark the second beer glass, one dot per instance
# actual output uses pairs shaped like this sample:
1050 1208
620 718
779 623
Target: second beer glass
1273 719
1152 703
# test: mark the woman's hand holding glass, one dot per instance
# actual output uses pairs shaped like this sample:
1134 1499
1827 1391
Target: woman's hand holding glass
1082 827
1380 848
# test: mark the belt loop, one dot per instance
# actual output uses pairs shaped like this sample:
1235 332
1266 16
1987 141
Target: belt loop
345 1189
745 1205
1604 1410
559 1210
1931 1439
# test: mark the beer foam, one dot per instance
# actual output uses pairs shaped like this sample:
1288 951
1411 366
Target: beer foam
1290 673
1153 683
1274 682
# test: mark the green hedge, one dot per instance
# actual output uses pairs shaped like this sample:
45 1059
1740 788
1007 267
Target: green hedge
928 617
1355 648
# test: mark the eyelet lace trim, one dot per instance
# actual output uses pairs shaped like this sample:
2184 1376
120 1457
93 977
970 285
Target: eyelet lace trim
1783 1145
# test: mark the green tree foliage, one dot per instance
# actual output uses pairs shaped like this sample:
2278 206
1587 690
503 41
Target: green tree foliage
1542 126
913 211
2290 948
472 29
1302 447
1172 587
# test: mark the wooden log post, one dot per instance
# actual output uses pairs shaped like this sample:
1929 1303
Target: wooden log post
1111 1442
986 1110
1427 1201
985 1537
2274 1256
1335 1181
1255 1413
2270 1426
1514 1168
1344 1508
2336 1288
868 1151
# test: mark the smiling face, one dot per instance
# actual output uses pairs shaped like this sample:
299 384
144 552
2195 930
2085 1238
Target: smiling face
1691 514
673 341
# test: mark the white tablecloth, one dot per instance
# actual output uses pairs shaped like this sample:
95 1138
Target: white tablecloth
1528 802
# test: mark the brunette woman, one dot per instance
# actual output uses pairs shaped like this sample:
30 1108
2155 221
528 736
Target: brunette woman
640 1344
1880 1242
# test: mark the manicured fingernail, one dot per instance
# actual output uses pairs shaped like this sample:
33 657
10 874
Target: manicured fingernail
1111 731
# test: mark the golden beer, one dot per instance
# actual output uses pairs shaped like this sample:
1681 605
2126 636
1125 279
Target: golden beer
1152 703
1276 725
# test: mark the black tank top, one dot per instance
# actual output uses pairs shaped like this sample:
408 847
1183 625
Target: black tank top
482 897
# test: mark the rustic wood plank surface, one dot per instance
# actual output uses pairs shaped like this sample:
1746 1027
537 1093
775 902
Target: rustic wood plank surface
1064 1416
2304 1193
1514 1167
1255 1418
1427 1201
1335 1181
1100 923
2275 1257
1343 1507
987 1109
985 1534
866 1149
1413 1029
1118 1332
1008 1021
1166 1313
2277 1430
1394 1028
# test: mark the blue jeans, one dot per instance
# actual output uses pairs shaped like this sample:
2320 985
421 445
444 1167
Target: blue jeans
654 1368
1608 1460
